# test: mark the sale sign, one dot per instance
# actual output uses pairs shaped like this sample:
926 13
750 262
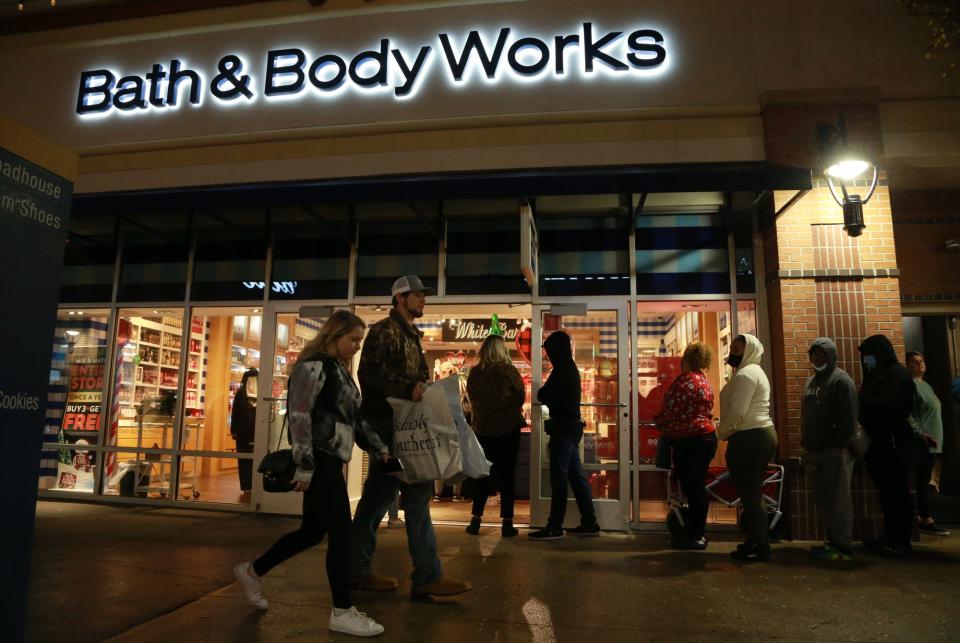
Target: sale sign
84 410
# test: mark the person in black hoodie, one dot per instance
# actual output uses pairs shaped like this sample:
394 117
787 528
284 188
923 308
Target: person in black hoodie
829 423
243 420
561 395
886 402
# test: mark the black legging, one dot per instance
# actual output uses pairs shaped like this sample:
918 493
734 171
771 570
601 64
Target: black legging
693 456
501 451
326 510
889 470
923 469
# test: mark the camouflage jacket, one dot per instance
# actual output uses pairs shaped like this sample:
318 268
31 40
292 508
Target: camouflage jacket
391 365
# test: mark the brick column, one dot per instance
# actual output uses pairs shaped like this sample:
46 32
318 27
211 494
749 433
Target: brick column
820 282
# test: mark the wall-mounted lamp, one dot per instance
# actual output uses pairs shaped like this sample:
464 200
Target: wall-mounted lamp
842 166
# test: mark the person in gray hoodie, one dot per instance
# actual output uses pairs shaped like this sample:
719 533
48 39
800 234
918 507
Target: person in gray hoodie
829 423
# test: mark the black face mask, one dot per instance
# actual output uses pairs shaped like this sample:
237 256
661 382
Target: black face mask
734 360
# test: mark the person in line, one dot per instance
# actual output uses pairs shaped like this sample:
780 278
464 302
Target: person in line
746 425
496 394
927 423
394 521
392 364
886 403
444 370
323 422
561 395
243 421
687 422
829 414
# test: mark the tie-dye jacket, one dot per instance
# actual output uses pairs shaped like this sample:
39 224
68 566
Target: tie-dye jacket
323 412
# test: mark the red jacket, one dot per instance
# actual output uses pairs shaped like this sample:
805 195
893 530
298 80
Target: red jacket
687 407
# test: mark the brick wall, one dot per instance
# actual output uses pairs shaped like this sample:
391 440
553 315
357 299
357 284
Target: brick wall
820 282
922 222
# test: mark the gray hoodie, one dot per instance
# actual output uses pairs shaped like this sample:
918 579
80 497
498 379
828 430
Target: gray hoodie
829 404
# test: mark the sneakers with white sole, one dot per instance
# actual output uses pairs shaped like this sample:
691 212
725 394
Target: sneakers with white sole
251 585
354 622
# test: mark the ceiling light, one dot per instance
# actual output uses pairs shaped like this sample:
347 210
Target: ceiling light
73 333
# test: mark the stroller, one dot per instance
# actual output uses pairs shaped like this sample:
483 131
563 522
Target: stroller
720 488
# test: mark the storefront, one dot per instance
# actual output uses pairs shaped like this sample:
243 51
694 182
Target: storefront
640 177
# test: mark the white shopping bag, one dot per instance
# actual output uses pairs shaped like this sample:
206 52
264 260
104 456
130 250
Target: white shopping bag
475 463
425 438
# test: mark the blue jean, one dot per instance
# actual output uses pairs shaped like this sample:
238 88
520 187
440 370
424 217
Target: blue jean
379 492
565 468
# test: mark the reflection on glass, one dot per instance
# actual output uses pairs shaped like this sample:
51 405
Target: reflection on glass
75 413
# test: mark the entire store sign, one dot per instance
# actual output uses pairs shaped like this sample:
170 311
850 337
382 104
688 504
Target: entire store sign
295 73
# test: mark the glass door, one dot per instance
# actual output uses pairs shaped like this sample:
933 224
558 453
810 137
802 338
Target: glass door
600 347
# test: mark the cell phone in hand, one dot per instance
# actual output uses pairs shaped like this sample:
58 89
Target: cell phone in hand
393 466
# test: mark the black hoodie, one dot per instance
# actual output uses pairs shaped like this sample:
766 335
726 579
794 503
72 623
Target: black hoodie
829 404
886 397
561 391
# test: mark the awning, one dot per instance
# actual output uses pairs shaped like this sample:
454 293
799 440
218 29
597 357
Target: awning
689 177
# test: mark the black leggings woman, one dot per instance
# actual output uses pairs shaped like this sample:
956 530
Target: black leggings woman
323 418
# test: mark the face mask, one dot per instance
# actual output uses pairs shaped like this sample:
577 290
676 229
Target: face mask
819 368
734 360
870 361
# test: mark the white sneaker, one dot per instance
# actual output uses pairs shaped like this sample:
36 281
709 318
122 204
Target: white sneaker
395 523
354 622
251 585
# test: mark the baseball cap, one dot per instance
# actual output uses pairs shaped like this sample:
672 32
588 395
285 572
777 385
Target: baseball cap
410 283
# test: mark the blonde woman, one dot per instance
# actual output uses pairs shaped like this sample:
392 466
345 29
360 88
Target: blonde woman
323 405
496 394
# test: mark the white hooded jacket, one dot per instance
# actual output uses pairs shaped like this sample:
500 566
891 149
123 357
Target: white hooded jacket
745 400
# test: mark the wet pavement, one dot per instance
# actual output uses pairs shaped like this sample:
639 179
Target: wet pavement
143 574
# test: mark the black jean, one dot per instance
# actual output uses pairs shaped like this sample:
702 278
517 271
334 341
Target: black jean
922 470
245 467
326 510
692 457
889 470
501 451
566 469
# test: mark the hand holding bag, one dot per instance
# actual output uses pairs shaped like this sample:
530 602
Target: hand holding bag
278 467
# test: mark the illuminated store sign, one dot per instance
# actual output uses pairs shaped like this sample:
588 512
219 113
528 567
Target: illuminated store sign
295 73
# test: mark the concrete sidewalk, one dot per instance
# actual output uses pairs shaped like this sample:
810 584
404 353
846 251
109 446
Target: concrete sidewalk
144 574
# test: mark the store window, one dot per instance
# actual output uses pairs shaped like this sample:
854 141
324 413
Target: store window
89 261
230 255
155 251
594 339
220 404
311 253
664 330
149 355
584 244
75 413
483 256
395 240
682 254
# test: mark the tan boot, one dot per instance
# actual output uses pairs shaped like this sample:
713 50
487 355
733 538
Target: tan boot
374 583
441 587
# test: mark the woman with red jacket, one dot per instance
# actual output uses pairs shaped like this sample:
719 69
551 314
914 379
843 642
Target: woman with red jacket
687 421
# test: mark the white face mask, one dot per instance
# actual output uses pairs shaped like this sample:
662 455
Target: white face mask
870 361
820 368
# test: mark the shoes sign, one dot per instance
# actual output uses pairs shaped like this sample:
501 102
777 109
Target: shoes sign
294 73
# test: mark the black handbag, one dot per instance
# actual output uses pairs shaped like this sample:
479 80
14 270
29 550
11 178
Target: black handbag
278 467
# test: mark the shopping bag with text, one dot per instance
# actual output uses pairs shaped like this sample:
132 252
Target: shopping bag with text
425 438
475 463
